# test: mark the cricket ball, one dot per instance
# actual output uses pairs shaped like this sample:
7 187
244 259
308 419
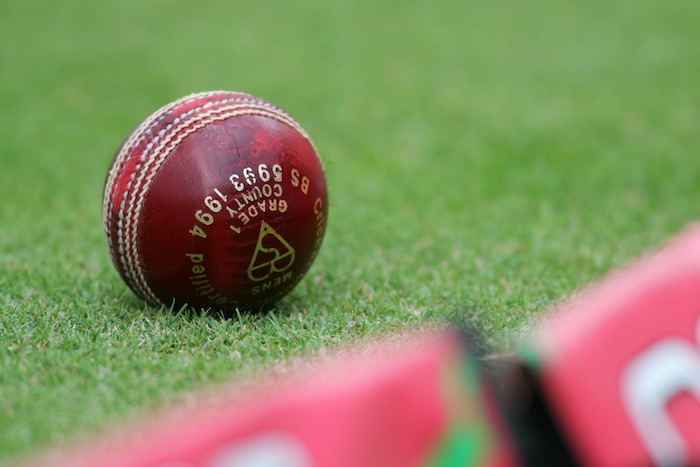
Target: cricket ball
216 201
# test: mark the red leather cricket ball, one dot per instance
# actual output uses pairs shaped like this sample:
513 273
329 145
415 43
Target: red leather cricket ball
216 201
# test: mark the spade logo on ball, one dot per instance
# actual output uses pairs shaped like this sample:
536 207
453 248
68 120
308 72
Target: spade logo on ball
272 255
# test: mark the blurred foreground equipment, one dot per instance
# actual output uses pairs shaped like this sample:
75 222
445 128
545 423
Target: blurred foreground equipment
610 379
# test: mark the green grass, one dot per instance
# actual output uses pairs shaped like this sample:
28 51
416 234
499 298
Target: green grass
484 160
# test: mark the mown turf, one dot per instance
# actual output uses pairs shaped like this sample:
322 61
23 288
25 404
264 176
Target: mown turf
484 160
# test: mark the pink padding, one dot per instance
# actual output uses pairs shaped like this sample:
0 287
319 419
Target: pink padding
621 363
393 408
